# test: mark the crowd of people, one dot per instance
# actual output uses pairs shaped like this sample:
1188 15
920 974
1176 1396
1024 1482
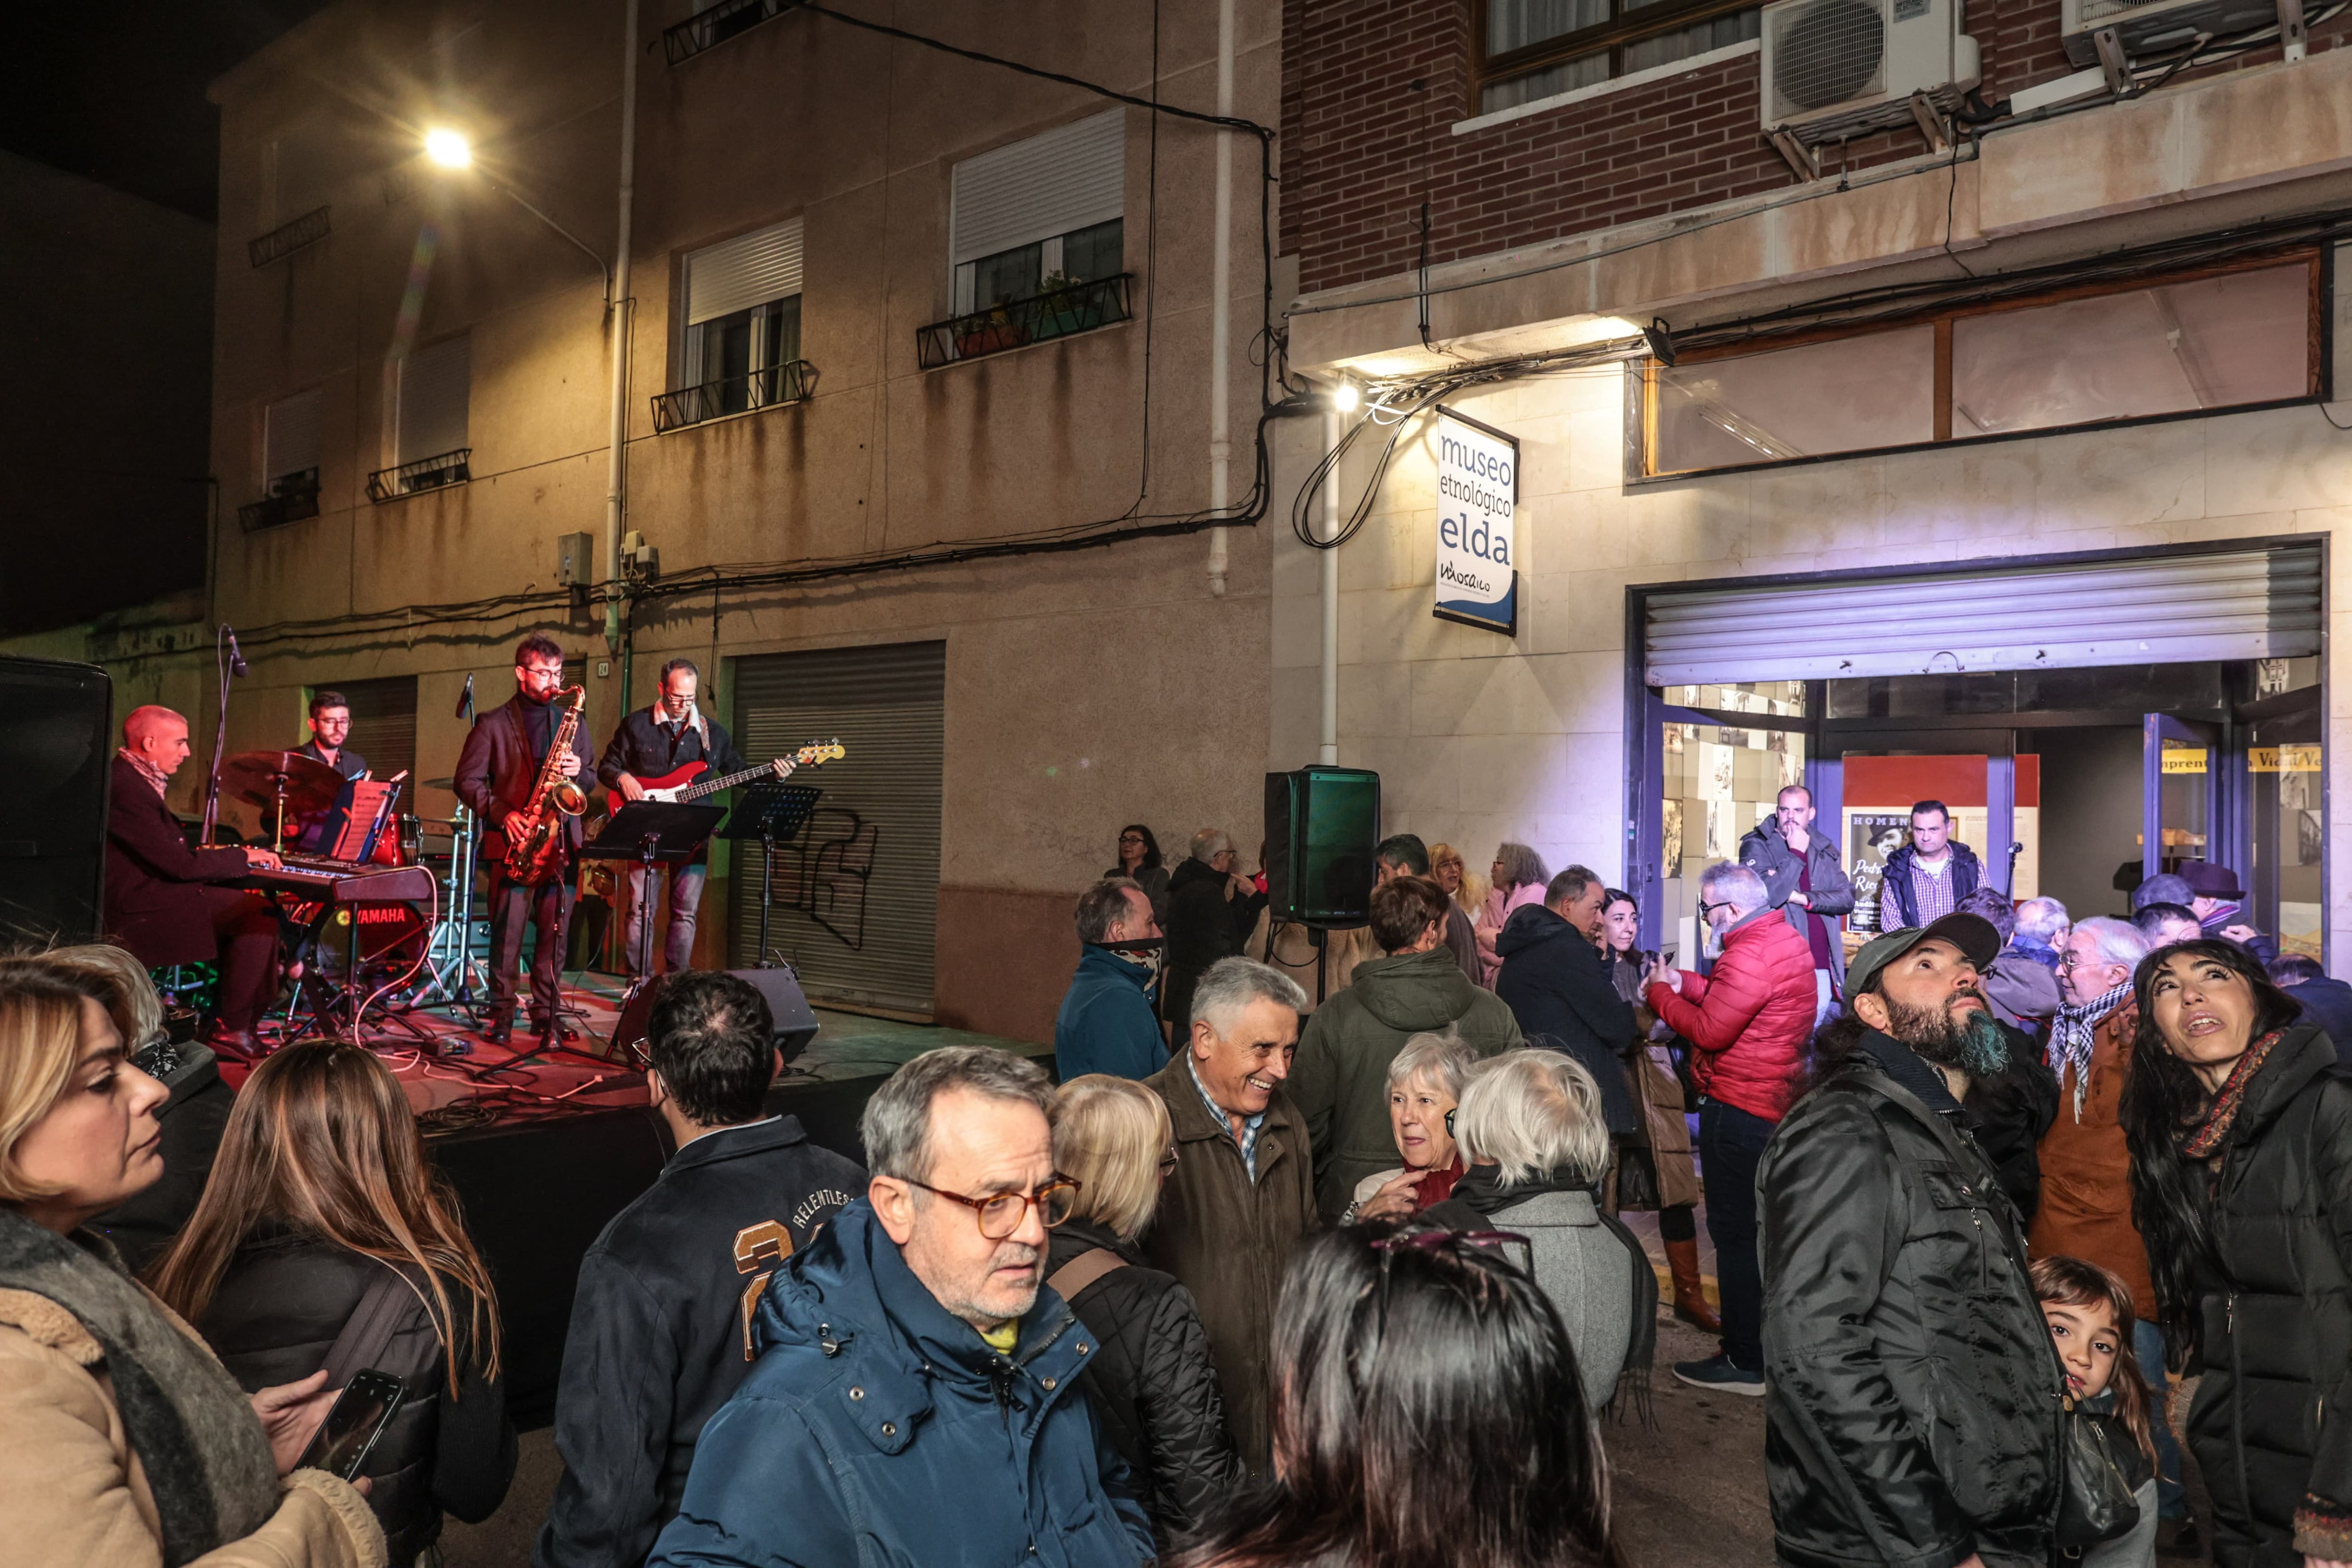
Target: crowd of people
1262 1280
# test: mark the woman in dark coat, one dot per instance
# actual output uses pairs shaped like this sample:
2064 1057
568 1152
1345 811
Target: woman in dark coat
1139 862
2240 1125
321 1190
1153 1385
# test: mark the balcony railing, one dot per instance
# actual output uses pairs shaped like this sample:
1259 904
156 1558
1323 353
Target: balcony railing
717 24
795 380
291 497
425 474
1057 313
288 238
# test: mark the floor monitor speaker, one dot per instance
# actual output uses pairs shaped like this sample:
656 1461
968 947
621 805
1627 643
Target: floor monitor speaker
1321 825
56 754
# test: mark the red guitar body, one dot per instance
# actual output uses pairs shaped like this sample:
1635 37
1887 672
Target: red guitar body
678 778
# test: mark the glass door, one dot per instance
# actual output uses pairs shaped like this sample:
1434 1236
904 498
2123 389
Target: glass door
1717 758
2279 769
2179 795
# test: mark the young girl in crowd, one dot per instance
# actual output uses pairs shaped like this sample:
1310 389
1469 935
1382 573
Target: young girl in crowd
2089 1311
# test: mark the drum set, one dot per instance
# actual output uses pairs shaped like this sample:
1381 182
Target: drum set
389 957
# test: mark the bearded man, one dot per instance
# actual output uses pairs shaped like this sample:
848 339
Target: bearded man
1911 1388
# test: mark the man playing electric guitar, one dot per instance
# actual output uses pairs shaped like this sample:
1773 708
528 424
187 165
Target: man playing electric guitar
651 745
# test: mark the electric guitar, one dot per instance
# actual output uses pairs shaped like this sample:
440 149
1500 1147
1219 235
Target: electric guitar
688 783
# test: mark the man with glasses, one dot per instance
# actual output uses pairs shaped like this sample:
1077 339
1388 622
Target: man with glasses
1242 1194
659 1334
2085 1209
917 1393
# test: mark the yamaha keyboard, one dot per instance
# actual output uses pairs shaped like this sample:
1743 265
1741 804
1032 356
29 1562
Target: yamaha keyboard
343 881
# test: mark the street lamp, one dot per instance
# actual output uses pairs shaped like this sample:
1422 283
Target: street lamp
448 148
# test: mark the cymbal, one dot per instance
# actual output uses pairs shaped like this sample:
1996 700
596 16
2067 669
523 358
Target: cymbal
311 784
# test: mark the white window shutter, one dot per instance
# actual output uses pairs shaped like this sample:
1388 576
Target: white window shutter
436 385
753 269
2158 609
1066 178
289 435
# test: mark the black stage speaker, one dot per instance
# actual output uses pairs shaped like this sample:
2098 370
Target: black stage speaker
795 1024
1321 825
56 757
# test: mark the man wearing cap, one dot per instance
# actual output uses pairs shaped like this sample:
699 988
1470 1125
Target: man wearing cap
2219 905
1912 1390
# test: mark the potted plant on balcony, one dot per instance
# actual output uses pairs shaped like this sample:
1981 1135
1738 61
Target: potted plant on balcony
1068 305
987 332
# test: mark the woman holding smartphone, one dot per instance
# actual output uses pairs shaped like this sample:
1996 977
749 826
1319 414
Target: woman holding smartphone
321 1191
122 1441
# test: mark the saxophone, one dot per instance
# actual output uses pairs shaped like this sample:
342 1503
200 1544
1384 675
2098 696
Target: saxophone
534 834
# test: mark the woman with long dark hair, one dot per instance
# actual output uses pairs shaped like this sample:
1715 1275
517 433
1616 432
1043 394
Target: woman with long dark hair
321 1191
2239 1127
1654 1168
1138 862
1427 1414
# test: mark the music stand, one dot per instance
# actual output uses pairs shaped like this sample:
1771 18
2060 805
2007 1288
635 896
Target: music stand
770 812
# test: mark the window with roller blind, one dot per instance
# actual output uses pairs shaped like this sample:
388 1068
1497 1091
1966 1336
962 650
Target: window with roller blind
435 389
740 338
1039 214
290 444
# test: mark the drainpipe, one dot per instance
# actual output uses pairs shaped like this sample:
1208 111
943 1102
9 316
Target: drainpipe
1330 562
615 481
1221 305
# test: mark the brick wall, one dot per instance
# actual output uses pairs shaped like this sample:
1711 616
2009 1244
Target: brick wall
1371 90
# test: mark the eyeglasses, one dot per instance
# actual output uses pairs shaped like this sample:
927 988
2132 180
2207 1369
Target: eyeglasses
1130 838
1001 1215
1705 908
1168 1161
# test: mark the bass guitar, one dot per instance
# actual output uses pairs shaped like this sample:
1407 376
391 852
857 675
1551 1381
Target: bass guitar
688 783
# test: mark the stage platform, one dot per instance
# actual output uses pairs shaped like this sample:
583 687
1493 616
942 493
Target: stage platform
544 1154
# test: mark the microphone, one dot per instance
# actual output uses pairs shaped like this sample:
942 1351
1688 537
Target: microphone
465 702
236 661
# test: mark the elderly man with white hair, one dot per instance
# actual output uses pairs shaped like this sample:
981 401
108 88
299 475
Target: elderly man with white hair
2086 1190
2042 925
1242 1194
1211 909
1749 1021
1531 1129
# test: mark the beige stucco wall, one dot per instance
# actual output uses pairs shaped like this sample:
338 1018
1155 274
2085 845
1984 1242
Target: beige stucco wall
1480 739
1085 690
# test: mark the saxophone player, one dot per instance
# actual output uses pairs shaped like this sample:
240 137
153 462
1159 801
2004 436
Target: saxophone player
496 774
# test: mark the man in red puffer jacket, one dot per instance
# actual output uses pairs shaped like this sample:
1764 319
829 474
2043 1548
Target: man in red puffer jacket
1748 1024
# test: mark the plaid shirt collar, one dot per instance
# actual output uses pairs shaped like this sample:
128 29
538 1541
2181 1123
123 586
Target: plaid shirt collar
1217 1113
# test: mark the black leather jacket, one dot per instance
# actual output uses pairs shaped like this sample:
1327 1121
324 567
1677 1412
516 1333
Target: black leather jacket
1153 1385
1912 1392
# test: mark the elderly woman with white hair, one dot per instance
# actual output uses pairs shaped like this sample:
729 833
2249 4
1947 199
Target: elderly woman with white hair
1426 1078
1530 1128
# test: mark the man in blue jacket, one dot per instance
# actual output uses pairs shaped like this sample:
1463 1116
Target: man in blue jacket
1107 1024
916 1396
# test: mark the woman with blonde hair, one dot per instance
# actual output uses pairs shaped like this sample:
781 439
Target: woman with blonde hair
1153 1383
323 1202
1466 887
122 1441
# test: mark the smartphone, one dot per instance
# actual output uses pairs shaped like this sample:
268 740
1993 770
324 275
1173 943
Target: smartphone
349 1433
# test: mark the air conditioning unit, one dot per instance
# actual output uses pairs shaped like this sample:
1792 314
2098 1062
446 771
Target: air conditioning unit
1835 69
2146 28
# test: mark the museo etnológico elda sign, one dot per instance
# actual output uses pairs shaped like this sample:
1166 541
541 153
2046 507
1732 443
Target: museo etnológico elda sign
1478 499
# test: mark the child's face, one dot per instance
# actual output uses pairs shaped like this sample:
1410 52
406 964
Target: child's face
2087 1345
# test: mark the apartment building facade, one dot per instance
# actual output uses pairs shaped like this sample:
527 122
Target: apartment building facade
1912 400
918 433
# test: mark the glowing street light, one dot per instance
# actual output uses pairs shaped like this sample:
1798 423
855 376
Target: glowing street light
448 148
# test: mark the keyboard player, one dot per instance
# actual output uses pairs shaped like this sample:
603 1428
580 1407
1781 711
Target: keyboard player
164 903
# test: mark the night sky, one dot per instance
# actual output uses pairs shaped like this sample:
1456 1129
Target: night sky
116 91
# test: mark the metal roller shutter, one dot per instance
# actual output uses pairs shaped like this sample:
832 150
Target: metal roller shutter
289 435
857 895
2160 609
1046 185
737 274
436 385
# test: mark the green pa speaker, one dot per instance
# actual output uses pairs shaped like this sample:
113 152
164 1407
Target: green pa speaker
1321 825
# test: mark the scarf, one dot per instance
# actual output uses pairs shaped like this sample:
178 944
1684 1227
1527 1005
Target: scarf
2207 1130
207 1463
2075 1033
1481 1188
1438 1186
147 770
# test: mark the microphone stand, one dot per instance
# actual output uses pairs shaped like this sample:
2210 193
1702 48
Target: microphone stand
220 734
